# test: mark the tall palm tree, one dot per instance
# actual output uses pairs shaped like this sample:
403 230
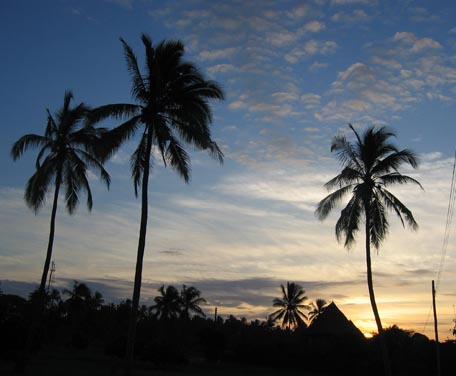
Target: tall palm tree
370 167
190 300
66 153
168 304
290 306
171 109
317 309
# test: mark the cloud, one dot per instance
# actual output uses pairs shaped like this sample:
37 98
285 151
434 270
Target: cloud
424 43
316 66
300 11
284 96
311 100
389 63
310 48
314 26
358 71
350 2
355 16
218 54
420 14
417 44
221 68
282 38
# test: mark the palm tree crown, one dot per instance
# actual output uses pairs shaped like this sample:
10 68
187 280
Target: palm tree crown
66 154
167 304
317 309
172 107
370 166
290 306
190 301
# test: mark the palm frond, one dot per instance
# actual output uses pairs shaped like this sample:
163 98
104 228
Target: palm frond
348 224
115 111
348 176
72 186
346 153
71 119
178 158
379 224
45 149
397 178
326 205
95 164
394 161
26 142
51 127
393 203
110 142
138 88
138 161
38 185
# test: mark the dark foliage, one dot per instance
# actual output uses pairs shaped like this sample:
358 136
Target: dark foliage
178 341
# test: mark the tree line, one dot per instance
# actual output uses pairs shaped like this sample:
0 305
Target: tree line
173 332
172 109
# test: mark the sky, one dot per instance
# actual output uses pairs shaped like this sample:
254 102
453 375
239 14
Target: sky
294 73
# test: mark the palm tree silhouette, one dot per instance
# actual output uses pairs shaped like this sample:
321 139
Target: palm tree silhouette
66 153
317 309
190 300
172 108
78 300
370 166
168 304
291 304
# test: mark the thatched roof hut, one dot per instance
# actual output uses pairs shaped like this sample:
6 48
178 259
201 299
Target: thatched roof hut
333 323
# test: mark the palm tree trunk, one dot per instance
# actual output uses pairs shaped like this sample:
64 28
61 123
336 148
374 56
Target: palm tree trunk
370 285
47 262
139 259
38 309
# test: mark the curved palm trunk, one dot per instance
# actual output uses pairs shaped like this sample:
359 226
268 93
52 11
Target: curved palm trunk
38 309
47 262
370 285
139 260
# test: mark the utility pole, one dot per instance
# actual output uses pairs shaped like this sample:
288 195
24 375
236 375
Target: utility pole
51 275
215 315
437 345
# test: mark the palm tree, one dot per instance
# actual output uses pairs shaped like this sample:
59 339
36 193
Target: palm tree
291 304
171 109
190 300
79 298
66 153
168 305
370 166
317 309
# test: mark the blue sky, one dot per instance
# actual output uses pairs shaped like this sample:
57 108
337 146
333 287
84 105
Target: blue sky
294 73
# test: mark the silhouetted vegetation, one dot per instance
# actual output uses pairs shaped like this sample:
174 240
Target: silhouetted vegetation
77 322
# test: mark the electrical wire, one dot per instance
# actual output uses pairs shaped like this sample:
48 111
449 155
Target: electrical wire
446 237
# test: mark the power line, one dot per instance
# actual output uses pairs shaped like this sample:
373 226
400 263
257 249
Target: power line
446 236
